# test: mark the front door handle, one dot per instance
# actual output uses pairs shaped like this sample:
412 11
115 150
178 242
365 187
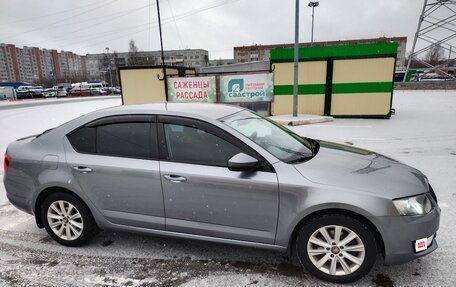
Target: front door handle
82 169
175 178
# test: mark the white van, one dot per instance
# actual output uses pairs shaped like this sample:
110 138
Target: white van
7 93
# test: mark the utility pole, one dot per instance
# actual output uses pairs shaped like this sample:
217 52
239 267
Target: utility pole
296 61
435 28
162 53
312 5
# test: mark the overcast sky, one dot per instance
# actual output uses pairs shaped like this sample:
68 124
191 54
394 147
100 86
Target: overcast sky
89 26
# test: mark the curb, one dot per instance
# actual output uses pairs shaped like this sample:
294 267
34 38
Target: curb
301 120
54 102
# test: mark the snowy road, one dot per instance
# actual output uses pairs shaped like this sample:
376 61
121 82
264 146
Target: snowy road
421 134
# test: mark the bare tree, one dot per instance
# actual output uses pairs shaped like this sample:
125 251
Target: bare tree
47 82
104 62
132 53
435 55
132 48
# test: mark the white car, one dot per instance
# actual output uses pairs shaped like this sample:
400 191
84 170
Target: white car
48 93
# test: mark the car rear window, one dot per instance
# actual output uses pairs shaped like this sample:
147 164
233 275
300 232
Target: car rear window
130 139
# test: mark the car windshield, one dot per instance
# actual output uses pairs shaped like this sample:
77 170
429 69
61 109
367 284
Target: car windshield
276 139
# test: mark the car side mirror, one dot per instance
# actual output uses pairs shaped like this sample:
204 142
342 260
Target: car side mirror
243 162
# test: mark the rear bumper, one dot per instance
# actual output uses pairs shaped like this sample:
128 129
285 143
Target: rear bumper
401 232
20 203
17 191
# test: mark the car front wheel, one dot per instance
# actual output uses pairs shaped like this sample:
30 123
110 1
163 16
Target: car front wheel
336 248
67 219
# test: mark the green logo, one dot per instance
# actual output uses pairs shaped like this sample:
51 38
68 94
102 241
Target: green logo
235 85
246 88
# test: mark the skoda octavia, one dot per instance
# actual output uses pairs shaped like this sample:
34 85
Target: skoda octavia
223 174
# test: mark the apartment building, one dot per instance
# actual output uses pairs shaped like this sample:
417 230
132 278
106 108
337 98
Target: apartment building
98 64
221 62
9 64
34 65
255 53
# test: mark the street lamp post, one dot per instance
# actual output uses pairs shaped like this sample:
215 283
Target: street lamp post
109 65
312 4
296 60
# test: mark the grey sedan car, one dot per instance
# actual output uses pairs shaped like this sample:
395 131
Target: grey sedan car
223 174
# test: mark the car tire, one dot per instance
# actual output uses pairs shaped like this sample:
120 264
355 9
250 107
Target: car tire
67 219
336 247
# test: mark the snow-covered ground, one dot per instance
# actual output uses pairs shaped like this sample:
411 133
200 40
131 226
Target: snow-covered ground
17 121
422 133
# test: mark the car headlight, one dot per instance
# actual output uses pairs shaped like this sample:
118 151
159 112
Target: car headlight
415 205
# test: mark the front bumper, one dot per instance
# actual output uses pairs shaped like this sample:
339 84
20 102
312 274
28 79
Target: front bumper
401 232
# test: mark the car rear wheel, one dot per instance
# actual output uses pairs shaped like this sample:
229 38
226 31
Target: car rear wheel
67 219
336 248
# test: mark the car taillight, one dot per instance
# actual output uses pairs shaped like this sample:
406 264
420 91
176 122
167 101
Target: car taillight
6 163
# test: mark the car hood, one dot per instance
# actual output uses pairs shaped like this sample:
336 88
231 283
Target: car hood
362 170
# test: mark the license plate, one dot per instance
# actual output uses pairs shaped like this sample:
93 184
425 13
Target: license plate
421 245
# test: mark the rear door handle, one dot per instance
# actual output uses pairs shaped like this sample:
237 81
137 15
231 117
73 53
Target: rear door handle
175 178
82 169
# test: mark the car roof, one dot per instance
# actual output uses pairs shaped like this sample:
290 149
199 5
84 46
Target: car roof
214 111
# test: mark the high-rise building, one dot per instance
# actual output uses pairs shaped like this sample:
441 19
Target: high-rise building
34 65
9 64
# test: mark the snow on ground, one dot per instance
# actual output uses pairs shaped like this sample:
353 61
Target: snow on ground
422 133
17 122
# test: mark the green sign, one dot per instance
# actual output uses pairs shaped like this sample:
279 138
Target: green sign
192 89
246 88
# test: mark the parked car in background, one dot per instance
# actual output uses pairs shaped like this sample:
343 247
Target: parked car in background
112 90
37 91
49 93
62 93
98 92
62 90
25 92
224 174
116 91
7 93
80 91
30 92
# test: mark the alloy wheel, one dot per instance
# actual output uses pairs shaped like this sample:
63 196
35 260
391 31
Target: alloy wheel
65 220
336 250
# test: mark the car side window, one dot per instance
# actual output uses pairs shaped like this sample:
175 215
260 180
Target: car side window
84 140
123 139
193 145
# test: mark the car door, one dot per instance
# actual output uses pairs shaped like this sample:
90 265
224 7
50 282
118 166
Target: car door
202 196
115 162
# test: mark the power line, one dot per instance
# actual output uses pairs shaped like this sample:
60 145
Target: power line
52 14
109 16
116 38
98 36
149 25
165 21
175 23
170 19
60 21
